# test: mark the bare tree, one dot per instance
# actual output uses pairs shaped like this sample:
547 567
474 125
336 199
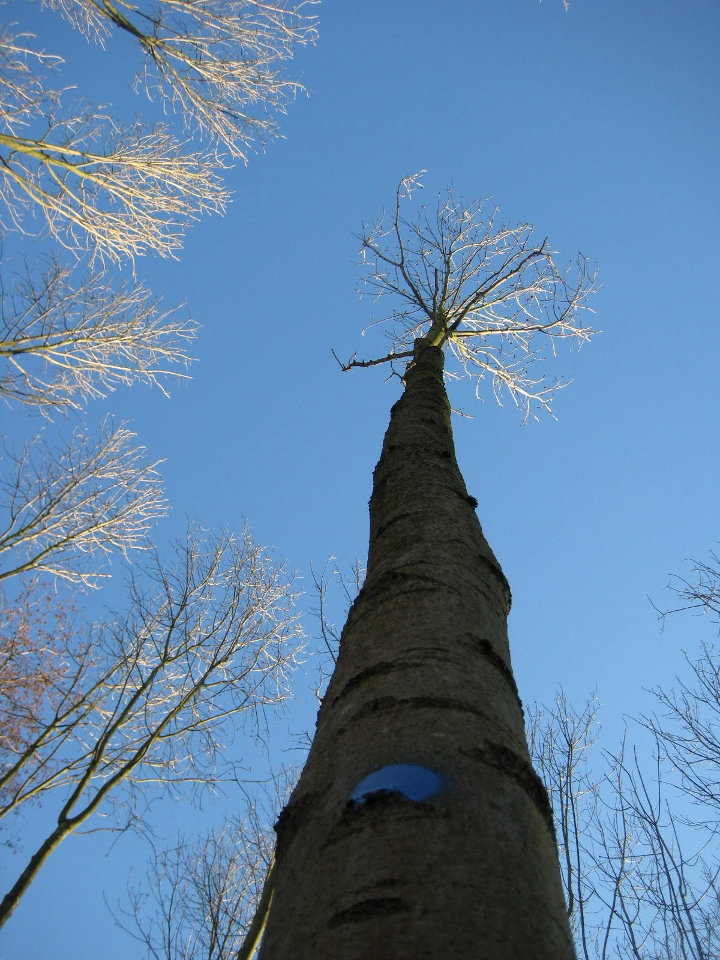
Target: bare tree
69 497
201 894
418 800
115 190
638 827
484 289
640 864
206 897
68 336
561 742
656 876
148 702
107 718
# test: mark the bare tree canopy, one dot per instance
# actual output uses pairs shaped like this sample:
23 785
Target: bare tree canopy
638 828
106 716
487 290
200 896
151 700
97 185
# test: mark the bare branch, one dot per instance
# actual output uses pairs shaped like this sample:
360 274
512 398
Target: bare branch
65 506
702 593
349 586
96 185
688 728
217 63
118 192
62 345
389 358
121 191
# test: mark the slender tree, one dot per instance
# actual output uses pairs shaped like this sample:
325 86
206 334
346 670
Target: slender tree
638 840
200 897
419 827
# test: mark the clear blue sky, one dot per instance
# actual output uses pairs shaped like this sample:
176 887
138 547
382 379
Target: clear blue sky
601 126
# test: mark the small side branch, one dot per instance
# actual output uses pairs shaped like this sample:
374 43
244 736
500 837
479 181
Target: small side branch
353 362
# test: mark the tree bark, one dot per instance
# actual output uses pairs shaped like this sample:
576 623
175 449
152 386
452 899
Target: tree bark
423 677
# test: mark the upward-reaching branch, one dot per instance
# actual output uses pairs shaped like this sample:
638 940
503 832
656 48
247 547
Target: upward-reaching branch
483 288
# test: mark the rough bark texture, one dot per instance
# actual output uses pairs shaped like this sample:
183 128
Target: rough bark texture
423 677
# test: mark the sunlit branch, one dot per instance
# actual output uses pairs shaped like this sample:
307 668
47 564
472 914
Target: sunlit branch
63 504
62 344
120 192
218 63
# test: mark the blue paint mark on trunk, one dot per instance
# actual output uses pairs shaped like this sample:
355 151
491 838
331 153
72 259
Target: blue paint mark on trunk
410 780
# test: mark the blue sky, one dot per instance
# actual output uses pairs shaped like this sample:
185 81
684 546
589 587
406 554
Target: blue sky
600 125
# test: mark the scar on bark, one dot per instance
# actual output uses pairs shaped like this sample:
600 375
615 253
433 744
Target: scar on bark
496 571
389 666
486 649
519 770
386 526
381 704
382 805
377 670
370 909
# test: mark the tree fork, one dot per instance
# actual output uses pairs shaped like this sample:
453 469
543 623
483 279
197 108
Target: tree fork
462 861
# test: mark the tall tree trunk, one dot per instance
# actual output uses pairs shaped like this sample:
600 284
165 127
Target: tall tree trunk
463 867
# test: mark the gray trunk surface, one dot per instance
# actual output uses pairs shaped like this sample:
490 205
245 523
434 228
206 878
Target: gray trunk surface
464 868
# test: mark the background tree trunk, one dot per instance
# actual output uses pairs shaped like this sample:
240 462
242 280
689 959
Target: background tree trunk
423 677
